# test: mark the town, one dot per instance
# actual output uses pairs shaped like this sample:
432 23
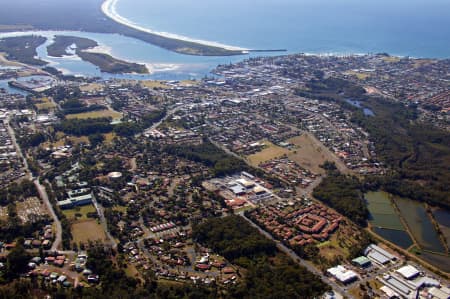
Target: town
134 167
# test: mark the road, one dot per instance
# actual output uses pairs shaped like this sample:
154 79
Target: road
44 196
155 125
103 222
12 134
297 259
306 192
41 190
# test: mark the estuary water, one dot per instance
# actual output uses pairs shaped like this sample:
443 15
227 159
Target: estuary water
415 28
163 64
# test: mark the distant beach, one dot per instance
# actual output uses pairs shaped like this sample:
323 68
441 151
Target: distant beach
109 9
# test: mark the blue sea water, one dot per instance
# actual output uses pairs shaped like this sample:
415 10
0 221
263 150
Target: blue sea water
419 28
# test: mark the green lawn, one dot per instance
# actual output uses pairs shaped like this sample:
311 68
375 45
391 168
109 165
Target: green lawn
84 210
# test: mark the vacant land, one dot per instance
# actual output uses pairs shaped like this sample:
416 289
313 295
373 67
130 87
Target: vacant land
391 58
310 154
307 151
118 208
44 104
359 75
82 211
87 230
96 114
91 87
342 244
154 84
109 137
189 82
62 139
270 151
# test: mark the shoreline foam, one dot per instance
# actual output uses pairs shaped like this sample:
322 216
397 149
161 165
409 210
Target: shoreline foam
109 9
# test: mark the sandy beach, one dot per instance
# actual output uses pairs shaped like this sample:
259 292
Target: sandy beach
151 67
109 9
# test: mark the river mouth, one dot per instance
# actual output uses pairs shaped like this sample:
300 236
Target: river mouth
162 64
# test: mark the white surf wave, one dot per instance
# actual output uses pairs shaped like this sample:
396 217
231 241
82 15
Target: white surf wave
109 9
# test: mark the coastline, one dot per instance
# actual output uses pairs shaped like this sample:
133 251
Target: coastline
102 48
109 9
151 67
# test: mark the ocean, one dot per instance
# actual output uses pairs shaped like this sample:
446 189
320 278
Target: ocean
418 28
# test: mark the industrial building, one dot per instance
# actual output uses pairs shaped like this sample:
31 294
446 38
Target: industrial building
408 282
378 255
409 272
75 201
362 262
342 274
398 287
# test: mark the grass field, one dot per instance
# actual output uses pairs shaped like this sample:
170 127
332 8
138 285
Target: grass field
109 137
91 87
154 84
340 242
131 271
189 82
332 249
96 114
86 230
309 153
84 210
4 213
421 62
44 104
359 75
120 208
270 151
64 140
391 58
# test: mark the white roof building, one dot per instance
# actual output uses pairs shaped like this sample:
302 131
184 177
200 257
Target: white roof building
408 272
342 274
245 183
